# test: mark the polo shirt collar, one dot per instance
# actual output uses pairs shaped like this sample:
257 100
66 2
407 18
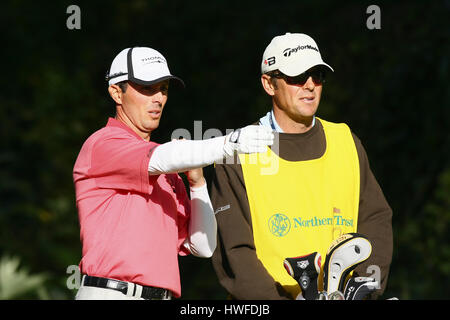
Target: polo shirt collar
116 123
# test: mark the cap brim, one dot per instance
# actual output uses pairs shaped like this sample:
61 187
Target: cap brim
299 69
151 82
325 65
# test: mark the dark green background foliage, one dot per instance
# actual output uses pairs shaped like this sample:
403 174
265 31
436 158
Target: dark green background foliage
390 86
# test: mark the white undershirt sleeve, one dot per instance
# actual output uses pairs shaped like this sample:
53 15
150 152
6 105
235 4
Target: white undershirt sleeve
183 155
201 239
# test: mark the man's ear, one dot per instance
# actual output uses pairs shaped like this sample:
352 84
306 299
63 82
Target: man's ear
116 93
268 84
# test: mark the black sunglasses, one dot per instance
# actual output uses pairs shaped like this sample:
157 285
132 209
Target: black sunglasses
317 75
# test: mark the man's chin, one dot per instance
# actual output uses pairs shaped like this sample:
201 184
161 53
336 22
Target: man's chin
152 125
307 112
304 118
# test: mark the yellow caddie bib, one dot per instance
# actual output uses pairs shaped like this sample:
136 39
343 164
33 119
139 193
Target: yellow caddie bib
300 207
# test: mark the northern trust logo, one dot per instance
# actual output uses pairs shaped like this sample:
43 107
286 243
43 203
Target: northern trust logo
288 51
280 224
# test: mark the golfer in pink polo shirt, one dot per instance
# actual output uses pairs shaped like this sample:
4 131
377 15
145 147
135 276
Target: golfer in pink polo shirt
135 214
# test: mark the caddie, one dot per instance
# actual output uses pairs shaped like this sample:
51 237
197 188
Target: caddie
134 211
313 185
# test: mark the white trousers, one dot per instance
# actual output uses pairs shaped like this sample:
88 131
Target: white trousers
94 293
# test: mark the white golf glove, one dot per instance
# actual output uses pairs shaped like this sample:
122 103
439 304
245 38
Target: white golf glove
249 139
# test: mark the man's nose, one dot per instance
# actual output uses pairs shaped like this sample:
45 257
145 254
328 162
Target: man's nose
309 84
158 97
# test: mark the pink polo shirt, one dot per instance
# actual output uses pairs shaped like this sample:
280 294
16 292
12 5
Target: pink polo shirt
132 225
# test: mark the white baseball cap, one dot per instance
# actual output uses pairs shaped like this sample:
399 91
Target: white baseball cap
292 54
140 65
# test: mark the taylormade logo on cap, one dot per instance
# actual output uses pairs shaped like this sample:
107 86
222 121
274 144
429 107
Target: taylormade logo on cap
287 52
140 65
292 54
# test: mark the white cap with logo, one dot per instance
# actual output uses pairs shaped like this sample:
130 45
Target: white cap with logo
292 54
140 65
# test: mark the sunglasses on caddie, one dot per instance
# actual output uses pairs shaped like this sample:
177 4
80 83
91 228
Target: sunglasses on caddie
317 75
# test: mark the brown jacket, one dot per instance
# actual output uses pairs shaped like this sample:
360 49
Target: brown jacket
239 270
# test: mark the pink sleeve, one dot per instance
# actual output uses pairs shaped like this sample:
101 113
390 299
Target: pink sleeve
122 163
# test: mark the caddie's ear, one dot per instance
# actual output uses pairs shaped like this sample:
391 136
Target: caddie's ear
268 84
116 93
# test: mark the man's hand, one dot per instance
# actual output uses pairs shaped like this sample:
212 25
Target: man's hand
195 177
248 140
